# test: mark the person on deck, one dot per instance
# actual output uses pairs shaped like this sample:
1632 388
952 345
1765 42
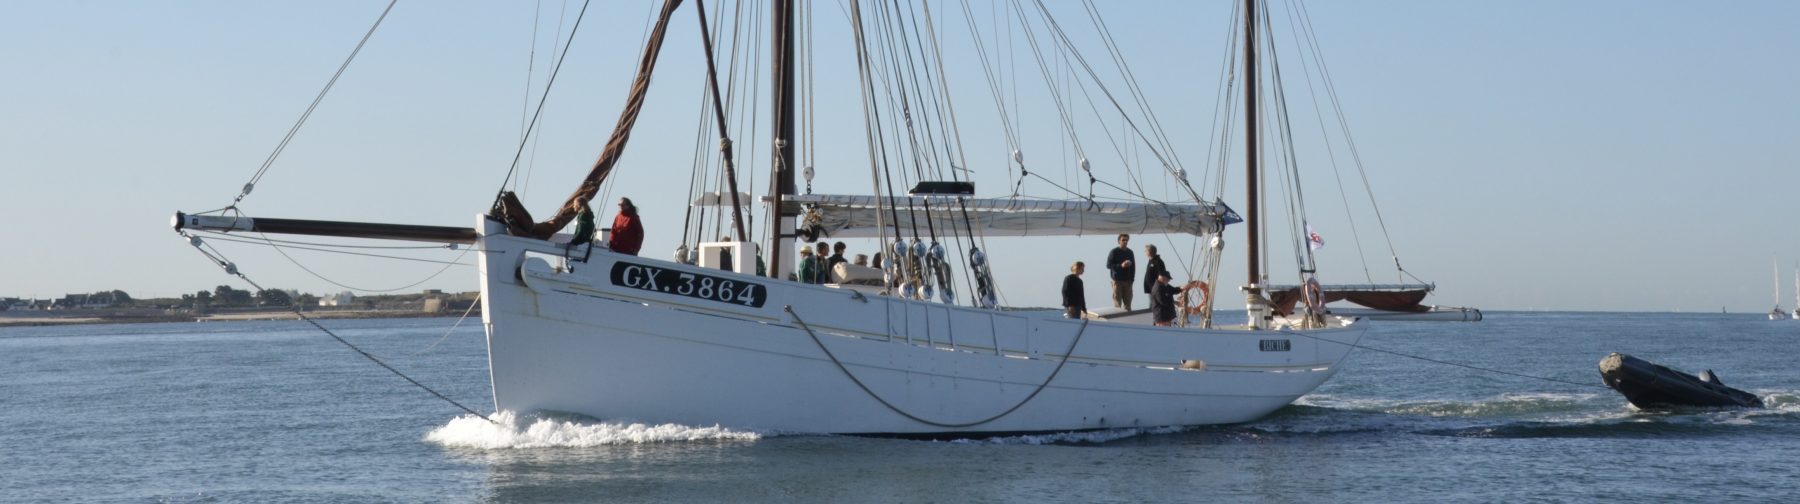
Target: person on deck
1162 300
823 256
1152 267
627 231
861 260
837 256
1121 263
1074 299
726 261
809 266
762 268
584 225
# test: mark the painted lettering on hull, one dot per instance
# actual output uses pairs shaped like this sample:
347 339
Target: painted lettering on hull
693 285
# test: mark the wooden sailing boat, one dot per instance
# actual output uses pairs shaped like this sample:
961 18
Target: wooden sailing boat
617 336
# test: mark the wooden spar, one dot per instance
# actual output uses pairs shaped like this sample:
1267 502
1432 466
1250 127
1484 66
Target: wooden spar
407 232
781 109
1252 217
712 84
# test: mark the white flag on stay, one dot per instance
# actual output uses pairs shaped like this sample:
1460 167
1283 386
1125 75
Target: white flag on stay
1313 240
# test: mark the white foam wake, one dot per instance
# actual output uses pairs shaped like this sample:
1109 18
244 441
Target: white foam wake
506 432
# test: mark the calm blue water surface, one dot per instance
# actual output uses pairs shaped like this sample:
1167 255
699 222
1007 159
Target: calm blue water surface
279 412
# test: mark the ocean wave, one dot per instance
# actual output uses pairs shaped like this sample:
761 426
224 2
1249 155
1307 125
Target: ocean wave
1787 401
1526 415
1078 437
511 431
1509 404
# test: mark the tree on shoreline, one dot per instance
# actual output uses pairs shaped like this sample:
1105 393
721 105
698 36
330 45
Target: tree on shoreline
272 297
224 295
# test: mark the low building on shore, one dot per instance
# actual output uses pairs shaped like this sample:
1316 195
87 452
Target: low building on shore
340 299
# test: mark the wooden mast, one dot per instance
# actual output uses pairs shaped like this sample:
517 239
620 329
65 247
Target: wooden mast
1252 219
781 61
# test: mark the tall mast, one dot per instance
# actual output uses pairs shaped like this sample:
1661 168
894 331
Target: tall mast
1252 221
781 61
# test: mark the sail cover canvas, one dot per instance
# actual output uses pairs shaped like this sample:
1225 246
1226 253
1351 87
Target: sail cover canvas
852 216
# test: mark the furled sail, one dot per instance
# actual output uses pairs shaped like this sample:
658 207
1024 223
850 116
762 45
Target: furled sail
847 216
508 206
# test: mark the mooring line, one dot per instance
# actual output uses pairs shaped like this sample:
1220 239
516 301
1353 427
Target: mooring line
896 409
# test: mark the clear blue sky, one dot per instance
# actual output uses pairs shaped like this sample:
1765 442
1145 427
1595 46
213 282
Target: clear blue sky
1599 155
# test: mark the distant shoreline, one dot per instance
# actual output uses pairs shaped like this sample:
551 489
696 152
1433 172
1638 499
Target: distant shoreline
76 317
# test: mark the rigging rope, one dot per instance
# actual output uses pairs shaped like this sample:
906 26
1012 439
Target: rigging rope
1054 28
428 278
954 133
273 243
554 71
1131 82
251 185
230 268
1349 140
1330 153
1070 353
459 321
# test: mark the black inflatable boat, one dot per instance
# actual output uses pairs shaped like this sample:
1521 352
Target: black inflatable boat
1650 385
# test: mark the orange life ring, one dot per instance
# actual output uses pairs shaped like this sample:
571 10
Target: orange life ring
1190 309
1313 295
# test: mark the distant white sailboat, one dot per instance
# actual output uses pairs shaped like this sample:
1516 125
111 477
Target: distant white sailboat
1796 291
1776 313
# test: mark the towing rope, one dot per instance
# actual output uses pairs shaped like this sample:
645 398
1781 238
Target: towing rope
1448 363
916 418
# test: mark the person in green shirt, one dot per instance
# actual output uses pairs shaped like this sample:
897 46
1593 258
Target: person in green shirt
584 227
809 267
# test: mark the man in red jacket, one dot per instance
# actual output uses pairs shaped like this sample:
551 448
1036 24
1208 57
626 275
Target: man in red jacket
627 231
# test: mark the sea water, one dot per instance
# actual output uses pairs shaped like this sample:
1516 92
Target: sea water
280 412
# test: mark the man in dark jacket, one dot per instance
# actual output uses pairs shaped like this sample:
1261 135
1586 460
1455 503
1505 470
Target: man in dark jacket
1074 300
1162 300
837 256
1124 269
1152 267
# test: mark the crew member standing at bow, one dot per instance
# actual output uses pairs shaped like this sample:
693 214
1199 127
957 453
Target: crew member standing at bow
627 232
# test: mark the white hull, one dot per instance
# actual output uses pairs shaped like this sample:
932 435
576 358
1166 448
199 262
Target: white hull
579 342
